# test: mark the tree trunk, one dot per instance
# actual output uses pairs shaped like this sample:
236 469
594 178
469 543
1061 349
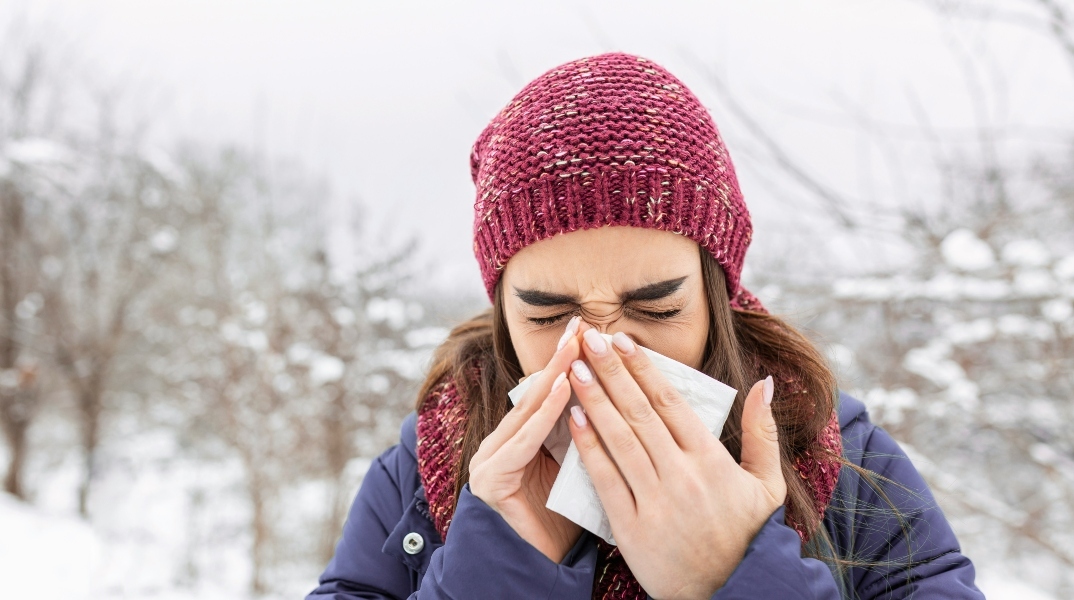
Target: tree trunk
89 404
15 415
337 452
259 524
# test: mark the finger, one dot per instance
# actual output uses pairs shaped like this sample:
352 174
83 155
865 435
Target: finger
681 421
629 399
760 439
616 498
542 385
519 450
625 447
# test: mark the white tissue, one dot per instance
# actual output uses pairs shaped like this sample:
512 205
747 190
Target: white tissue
573 495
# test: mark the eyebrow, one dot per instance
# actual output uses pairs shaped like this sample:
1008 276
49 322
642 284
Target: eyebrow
652 291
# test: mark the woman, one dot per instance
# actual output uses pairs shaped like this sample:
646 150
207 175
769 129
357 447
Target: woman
607 203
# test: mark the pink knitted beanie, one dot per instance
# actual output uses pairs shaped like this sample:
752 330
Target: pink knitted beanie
612 139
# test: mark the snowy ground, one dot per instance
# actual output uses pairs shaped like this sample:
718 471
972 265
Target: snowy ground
161 527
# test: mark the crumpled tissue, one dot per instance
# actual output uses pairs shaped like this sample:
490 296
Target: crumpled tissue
573 495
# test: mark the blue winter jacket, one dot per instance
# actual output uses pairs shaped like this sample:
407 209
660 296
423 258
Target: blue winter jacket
390 548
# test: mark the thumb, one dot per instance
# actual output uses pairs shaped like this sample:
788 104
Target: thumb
760 439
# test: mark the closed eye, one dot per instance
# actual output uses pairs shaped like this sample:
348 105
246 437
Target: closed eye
659 316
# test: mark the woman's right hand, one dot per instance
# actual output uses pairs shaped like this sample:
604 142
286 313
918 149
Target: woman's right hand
513 473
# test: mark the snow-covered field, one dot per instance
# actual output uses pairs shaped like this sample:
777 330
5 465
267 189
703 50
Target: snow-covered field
161 527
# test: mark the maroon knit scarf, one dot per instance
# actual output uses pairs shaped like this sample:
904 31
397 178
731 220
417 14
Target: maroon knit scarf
442 424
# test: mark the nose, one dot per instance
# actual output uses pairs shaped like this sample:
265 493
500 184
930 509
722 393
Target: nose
609 327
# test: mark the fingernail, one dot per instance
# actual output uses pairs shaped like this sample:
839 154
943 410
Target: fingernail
768 389
559 381
578 415
623 342
594 341
572 328
581 371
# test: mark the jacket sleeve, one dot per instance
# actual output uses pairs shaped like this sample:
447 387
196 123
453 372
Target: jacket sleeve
773 567
483 557
911 554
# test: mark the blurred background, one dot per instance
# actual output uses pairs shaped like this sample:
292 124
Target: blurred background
232 232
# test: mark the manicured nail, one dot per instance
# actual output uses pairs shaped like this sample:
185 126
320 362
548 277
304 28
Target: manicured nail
768 389
581 371
578 415
572 329
559 381
623 342
595 341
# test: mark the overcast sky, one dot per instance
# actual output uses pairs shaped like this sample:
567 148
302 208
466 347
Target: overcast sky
385 98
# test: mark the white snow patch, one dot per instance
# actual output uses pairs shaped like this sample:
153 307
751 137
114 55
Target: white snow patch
1026 253
164 240
44 556
344 316
1057 310
325 369
1064 269
932 363
963 250
891 403
972 332
1037 282
33 151
1001 586
391 310
426 336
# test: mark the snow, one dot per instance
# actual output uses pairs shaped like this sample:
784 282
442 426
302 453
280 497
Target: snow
890 404
1058 310
943 286
972 332
1064 269
998 585
933 363
1026 253
1036 282
426 336
299 353
390 310
325 369
963 250
45 556
164 527
38 151
344 316
164 240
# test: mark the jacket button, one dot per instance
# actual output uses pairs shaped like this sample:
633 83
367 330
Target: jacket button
413 543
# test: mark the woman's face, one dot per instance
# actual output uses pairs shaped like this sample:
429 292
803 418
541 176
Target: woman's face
643 282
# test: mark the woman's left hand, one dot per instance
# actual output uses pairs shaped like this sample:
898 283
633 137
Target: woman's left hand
681 509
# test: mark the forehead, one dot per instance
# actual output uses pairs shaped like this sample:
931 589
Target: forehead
611 258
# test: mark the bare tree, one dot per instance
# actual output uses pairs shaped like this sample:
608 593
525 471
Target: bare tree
29 98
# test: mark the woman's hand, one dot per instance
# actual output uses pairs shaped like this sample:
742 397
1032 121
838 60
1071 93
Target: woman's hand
681 509
513 473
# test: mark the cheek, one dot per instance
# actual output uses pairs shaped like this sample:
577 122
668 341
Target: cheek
533 348
686 345
684 341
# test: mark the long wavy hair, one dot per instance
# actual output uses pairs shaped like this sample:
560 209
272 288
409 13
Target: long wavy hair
742 347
